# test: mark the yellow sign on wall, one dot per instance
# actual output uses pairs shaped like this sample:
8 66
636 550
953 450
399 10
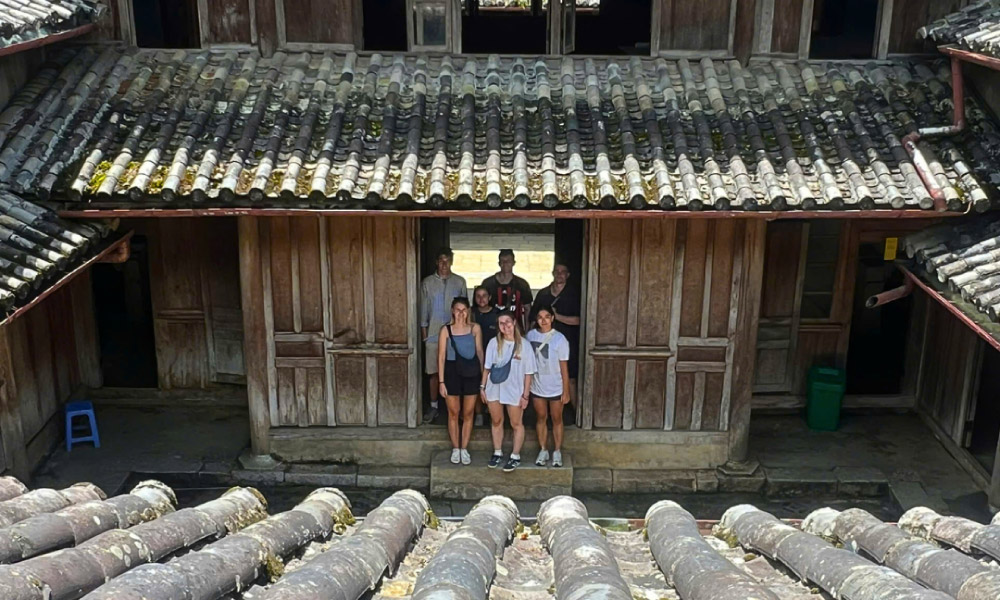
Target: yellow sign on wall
891 244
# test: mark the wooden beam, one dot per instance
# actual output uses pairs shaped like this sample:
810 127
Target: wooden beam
254 334
746 339
266 17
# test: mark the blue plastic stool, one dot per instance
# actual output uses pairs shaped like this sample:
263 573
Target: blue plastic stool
80 409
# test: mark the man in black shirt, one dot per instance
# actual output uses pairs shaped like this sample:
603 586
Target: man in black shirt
509 292
565 302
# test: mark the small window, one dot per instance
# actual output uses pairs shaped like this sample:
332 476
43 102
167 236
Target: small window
166 23
822 252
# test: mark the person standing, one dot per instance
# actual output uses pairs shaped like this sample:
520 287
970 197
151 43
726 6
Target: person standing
508 291
506 382
485 315
550 385
564 299
460 360
437 290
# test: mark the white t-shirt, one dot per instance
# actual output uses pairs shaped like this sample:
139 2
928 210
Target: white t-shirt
509 392
547 382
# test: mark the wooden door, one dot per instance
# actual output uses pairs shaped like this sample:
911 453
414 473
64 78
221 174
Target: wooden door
221 290
778 329
340 328
661 323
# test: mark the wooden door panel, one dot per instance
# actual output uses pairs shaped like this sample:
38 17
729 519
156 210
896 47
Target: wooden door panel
701 25
613 281
349 373
609 392
392 391
650 393
227 21
345 236
319 21
655 282
389 279
781 296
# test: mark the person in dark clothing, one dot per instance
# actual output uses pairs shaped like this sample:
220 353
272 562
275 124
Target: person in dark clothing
485 315
565 302
508 291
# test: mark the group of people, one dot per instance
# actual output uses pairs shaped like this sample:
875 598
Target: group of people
480 353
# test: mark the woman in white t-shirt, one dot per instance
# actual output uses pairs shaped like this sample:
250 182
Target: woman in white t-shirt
508 368
550 385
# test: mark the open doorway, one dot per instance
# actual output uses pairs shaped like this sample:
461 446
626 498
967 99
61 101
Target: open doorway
876 355
985 431
503 27
614 27
844 29
385 25
166 23
537 244
125 319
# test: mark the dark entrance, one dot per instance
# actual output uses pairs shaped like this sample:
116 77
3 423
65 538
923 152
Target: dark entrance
166 23
844 29
985 430
125 319
876 355
385 25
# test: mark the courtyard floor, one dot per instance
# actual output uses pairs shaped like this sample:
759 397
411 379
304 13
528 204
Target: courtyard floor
194 448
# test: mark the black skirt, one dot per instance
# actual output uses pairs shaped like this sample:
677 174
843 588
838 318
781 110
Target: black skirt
458 385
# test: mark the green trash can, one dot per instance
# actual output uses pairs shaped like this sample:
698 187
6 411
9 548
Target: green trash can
823 397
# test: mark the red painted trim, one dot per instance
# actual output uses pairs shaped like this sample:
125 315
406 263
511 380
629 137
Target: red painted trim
594 213
48 39
964 318
68 277
971 57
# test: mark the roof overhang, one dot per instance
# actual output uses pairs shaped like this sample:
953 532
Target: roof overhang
115 252
48 39
115 213
961 309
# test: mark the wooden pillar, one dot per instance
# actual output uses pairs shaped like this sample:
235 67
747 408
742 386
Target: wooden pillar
994 491
266 17
746 339
11 432
746 19
254 334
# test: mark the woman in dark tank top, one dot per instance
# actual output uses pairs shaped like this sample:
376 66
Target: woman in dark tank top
460 352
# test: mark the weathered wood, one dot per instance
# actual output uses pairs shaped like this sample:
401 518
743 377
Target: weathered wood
687 26
465 564
11 429
69 574
743 37
612 282
650 394
265 14
254 333
226 21
689 564
233 563
655 283
746 336
608 391
356 564
77 523
582 560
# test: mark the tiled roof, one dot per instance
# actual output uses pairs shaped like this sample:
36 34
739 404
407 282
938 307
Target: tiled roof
230 548
227 128
965 257
975 27
37 247
24 20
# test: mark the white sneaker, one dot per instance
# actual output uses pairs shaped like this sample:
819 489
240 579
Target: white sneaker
478 421
456 456
543 457
556 458
466 459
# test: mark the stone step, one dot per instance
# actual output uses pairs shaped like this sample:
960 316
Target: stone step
472 482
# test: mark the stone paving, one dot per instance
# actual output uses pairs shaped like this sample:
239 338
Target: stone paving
883 463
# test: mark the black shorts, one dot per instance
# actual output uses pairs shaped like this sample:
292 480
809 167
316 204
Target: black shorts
458 385
552 399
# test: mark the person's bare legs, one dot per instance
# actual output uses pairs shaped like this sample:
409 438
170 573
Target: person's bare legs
556 410
541 425
516 413
434 385
496 424
468 411
454 407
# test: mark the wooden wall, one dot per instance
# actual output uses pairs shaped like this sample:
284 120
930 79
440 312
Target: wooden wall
704 25
949 361
194 288
46 355
331 321
662 311
910 15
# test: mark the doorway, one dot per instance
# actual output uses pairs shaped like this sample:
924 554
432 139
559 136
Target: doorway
384 25
984 434
125 319
877 349
166 23
503 27
844 29
537 244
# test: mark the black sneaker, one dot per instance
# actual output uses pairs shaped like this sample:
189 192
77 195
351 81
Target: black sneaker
495 461
430 416
512 463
